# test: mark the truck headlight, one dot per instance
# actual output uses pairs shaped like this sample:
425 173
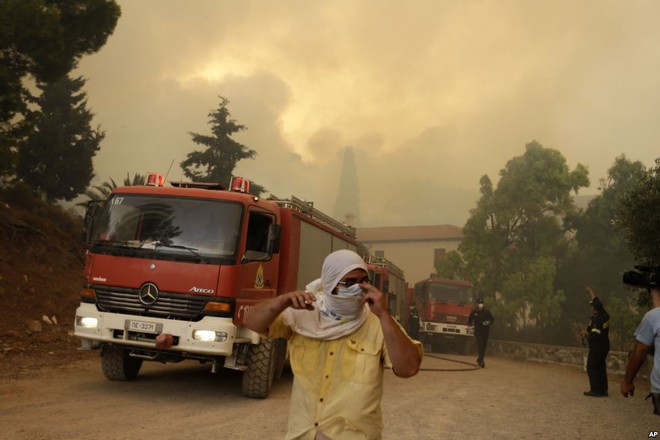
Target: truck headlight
87 322
209 336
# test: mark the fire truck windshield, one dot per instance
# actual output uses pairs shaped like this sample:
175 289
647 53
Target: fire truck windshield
450 293
168 227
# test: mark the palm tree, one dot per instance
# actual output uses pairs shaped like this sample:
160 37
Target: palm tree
100 193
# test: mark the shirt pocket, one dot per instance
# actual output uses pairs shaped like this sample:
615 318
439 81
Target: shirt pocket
304 355
361 362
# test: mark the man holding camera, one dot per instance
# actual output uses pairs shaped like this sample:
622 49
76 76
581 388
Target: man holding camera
597 335
645 344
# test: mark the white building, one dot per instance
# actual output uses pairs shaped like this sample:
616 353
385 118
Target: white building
415 249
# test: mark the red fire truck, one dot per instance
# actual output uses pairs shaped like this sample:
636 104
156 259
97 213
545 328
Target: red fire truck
171 270
389 279
444 307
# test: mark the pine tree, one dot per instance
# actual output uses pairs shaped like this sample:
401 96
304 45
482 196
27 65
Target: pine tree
42 40
56 158
217 162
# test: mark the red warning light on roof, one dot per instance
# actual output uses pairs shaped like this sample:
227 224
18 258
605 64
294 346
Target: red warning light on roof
240 184
155 179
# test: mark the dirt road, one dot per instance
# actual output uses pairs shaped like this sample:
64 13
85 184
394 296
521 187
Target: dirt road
506 400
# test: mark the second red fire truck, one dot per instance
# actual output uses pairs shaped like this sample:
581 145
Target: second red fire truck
444 306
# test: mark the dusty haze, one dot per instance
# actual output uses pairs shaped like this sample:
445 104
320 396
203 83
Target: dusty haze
430 94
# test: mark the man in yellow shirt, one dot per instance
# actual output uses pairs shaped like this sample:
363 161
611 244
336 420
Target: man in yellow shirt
340 338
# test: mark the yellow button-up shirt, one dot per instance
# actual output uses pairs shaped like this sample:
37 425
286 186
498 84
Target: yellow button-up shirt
338 384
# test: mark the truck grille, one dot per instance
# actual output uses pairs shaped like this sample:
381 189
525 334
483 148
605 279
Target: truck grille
450 319
168 305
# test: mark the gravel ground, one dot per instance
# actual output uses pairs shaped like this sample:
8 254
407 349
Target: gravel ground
448 399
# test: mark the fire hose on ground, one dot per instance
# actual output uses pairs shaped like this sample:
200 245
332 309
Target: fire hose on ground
472 366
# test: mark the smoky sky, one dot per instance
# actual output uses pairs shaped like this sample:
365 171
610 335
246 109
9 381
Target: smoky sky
431 95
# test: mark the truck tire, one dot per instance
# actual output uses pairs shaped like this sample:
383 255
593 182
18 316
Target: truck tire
117 364
258 377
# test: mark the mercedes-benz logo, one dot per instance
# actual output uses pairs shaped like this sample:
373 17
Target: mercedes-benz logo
148 294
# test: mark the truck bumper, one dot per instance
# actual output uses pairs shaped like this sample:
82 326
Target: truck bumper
443 330
211 336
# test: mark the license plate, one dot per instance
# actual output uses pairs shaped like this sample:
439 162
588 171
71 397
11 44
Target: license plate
143 326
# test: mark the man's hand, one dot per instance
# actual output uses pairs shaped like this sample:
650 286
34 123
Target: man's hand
627 389
635 361
301 299
375 298
592 294
262 315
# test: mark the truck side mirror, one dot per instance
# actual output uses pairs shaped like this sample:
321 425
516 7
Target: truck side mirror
274 234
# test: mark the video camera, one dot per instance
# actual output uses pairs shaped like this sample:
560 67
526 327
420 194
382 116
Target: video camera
643 276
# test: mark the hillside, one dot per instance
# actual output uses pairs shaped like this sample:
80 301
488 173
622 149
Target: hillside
41 267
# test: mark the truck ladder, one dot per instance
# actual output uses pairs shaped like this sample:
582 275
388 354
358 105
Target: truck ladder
307 208
384 262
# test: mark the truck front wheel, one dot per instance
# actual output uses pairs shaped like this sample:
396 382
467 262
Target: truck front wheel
258 377
117 364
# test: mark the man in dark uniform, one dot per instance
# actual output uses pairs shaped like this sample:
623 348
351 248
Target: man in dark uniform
482 319
413 323
597 335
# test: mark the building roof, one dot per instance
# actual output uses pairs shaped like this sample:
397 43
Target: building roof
409 233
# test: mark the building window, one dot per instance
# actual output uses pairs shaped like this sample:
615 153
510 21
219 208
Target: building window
438 256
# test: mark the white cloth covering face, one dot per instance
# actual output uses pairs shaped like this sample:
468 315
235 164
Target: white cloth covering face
333 316
349 292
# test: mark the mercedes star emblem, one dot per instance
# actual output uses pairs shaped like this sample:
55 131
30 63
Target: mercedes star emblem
148 294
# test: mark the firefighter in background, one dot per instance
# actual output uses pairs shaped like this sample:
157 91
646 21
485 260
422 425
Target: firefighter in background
413 323
597 335
481 319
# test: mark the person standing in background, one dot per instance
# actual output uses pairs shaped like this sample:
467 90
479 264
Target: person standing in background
647 343
481 319
597 335
413 323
